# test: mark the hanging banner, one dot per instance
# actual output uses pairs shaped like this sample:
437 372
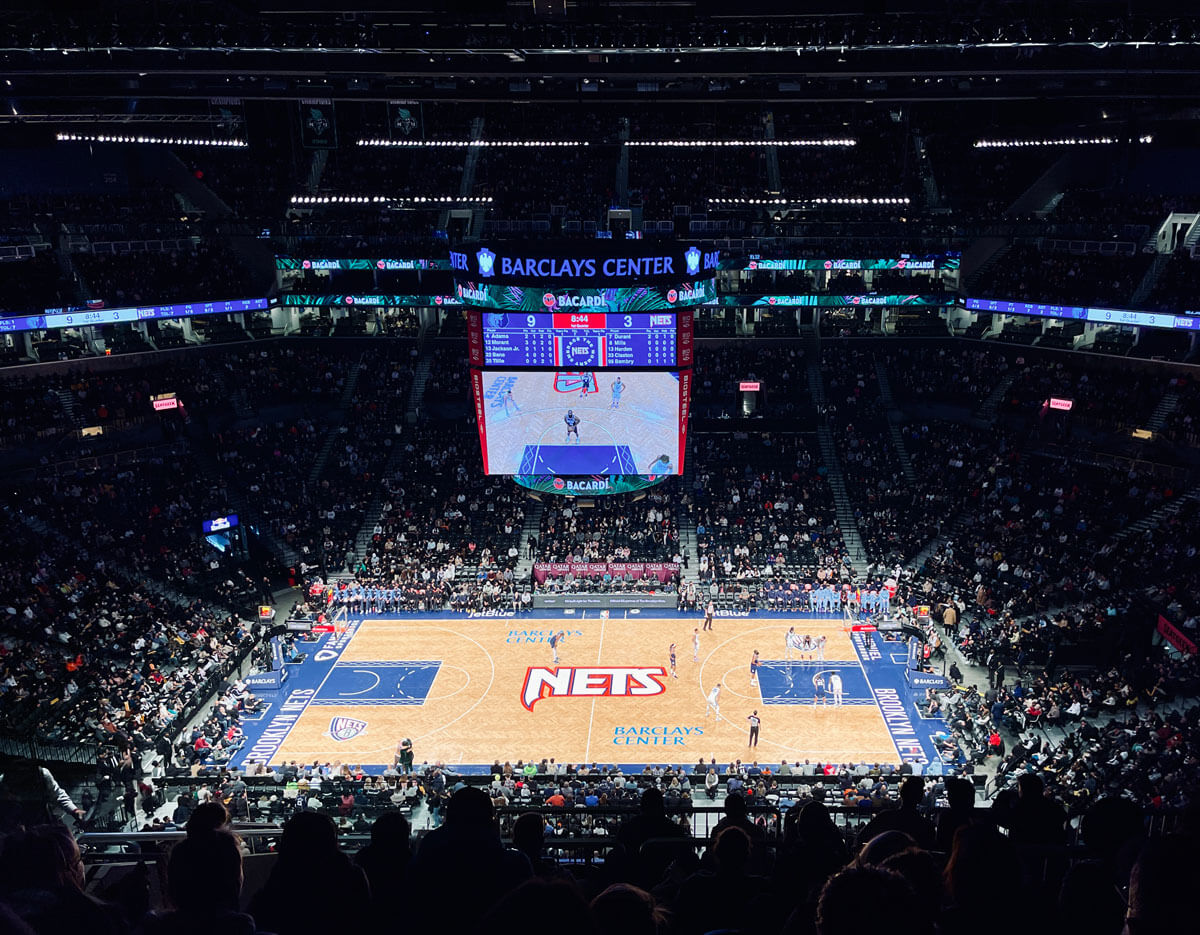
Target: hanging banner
406 120
229 117
318 124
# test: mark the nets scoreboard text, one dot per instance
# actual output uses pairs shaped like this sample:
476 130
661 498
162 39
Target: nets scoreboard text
580 340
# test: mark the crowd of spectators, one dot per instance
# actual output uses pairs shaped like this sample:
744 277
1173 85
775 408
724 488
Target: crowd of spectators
88 656
762 505
1037 539
1183 422
446 534
1029 274
1104 214
1177 286
722 366
27 408
1106 402
449 374
208 272
943 374
32 285
611 529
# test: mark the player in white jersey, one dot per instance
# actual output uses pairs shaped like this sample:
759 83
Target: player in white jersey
695 644
714 701
790 642
835 686
821 640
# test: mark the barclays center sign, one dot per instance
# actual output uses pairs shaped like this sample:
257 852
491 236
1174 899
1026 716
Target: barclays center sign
597 263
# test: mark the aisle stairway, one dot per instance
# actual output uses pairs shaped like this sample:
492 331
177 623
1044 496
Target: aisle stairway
1168 404
1156 518
894 418
535 508
988 410
70 406
847 523
337 418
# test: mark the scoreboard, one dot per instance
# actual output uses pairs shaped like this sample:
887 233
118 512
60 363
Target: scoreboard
578 340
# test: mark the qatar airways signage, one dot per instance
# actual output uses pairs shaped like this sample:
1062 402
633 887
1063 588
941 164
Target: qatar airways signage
584 263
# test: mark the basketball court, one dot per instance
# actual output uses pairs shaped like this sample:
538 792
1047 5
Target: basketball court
469 690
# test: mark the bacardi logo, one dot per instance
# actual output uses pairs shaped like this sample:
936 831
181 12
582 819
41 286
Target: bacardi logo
591 682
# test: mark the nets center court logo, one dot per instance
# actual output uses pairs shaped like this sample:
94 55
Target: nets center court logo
591 682
346 728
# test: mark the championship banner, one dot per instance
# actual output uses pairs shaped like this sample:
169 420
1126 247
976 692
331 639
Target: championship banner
406 120
318 124
229 114
1175 636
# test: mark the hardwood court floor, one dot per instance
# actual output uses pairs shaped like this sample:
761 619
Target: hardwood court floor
454 687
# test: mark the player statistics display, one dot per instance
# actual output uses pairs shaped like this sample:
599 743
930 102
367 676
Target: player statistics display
590 422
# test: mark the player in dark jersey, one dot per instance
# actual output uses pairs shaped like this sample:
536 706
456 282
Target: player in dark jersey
555 640
572 422
672 652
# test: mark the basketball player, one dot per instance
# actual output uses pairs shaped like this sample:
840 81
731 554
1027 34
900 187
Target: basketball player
617 389
821 640
660 465
789 643
806 647
572 422
555 639
714 701
672 652
754 668
819 689
709 609
509 401
754 720
587 386
835 685
695 644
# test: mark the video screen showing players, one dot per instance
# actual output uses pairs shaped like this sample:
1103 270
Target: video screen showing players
589 422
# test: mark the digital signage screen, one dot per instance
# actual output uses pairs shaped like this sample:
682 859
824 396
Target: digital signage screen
582 422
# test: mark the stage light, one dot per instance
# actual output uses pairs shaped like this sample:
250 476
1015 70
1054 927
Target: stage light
145 140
